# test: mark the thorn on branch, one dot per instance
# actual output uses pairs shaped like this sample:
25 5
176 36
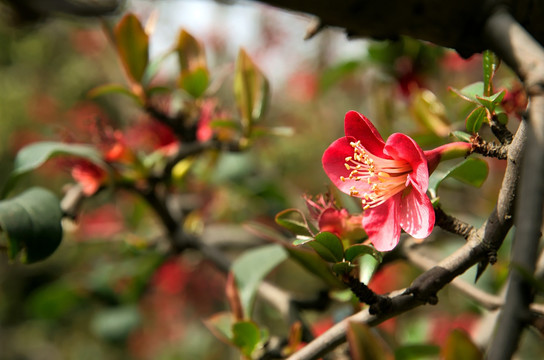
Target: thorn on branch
480 146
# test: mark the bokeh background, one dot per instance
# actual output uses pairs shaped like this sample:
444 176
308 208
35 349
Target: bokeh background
108 292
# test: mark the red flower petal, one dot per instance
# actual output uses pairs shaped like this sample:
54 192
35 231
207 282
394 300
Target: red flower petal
358 126
416 214
382 224
400 146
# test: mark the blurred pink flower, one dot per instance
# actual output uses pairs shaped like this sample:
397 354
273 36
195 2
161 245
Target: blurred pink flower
88 175
390 177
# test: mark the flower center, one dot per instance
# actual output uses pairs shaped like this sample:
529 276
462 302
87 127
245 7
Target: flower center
380 178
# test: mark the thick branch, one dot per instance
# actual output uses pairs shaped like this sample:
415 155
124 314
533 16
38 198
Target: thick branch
526 57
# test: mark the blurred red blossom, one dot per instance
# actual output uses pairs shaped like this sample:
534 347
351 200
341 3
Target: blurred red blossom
103 222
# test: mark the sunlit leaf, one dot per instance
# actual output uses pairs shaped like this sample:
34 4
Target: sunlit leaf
364 344
470 92
246 336
475 119
463 136
472 171
430 112
294 221
368 264
328 246
113 89
251 91
460 346
31 223
133 46
251 268
35 155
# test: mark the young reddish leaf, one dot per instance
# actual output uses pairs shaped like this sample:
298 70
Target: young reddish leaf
113 89
250 90
475 119
430 112
490 64
234 298
220 325
194 75
328 246
246 336
460 346
472 171
251 268
365 345
294 221
31 223
132 46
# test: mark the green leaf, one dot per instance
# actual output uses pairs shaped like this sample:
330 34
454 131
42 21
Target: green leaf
246 336
342 268
328 246
251 91
31 222
364 344
251 268
491 102
294 221
356 250
133 46
470 92
35 155
490 65
194 82
472 171
475 119
116 324
417 352
368 264
191 54
53 301
315 265
113 89
332 75
460 346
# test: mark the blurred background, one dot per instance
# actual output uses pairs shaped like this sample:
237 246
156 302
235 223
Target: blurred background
108 292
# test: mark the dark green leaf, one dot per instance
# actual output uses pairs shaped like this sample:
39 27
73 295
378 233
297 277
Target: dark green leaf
251 268
356 250
31 222
246 336
472 171
53 301
35 155
251 91
133 46
314 264
475 119
342 268
328 246
460 346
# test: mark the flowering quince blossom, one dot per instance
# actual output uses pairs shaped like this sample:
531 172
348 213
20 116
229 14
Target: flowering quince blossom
391 178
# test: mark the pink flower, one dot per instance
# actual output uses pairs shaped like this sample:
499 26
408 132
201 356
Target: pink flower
391 178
